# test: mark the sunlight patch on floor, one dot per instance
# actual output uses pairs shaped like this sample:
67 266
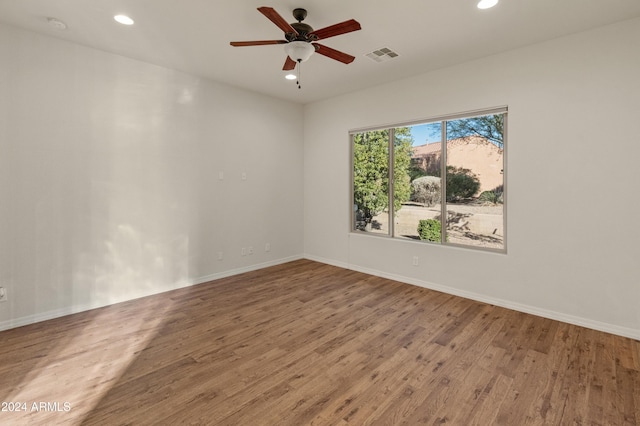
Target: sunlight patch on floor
66 385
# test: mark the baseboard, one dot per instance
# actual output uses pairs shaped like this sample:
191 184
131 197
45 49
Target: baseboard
242 270
326 261
528 309
44 316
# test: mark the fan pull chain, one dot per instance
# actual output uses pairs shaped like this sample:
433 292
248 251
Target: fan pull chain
298 81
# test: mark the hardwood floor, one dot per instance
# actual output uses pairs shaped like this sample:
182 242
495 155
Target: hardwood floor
307 343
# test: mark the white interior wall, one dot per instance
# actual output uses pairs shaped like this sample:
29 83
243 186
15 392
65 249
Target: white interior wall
572 179
109 178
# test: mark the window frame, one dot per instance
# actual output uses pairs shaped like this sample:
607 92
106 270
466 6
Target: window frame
443 119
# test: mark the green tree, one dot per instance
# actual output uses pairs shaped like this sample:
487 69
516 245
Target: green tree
402 151
490 127
371 171
461 183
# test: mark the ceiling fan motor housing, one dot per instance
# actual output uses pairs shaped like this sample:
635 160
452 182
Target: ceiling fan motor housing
303 29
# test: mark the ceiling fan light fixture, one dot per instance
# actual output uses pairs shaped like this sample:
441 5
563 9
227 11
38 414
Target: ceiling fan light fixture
299 51
290 76
487 4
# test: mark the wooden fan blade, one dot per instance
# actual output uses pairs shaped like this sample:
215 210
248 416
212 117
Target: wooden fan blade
275 17
337 29
289 64
257 43
333 53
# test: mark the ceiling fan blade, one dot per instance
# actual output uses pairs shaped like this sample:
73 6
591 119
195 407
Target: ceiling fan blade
275 17
289 64
257 43
333 53
337 29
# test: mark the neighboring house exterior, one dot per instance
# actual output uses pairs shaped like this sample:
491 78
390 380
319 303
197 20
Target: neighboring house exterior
475 153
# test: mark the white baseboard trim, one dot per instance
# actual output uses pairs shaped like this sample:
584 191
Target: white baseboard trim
331 262
528 309
238 271
44 316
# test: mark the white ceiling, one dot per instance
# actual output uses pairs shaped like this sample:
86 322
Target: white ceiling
194 35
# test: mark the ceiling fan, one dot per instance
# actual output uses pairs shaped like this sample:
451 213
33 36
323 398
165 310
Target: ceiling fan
300 39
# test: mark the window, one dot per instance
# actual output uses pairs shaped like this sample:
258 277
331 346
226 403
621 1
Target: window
406 179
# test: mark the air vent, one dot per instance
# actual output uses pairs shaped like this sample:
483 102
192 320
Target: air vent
381 55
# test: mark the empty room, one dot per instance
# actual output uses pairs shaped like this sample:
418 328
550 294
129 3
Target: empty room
319 212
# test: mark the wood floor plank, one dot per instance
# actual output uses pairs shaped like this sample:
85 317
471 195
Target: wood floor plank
308 343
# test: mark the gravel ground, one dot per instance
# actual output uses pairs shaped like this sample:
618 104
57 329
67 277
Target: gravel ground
462 232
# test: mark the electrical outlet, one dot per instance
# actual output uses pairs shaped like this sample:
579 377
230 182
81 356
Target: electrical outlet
415 261
220 255
250 250
267 247
3 294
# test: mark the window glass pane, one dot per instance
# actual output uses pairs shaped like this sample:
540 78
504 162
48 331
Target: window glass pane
447 191
371 181
475 181
418 180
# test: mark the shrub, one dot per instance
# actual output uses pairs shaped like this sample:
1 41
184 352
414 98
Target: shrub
494 196
489 197
426 190
416 172
461 183
430 230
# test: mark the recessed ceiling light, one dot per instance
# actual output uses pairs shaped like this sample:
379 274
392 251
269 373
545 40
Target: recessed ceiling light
123 19
290 76
486 4
57 24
